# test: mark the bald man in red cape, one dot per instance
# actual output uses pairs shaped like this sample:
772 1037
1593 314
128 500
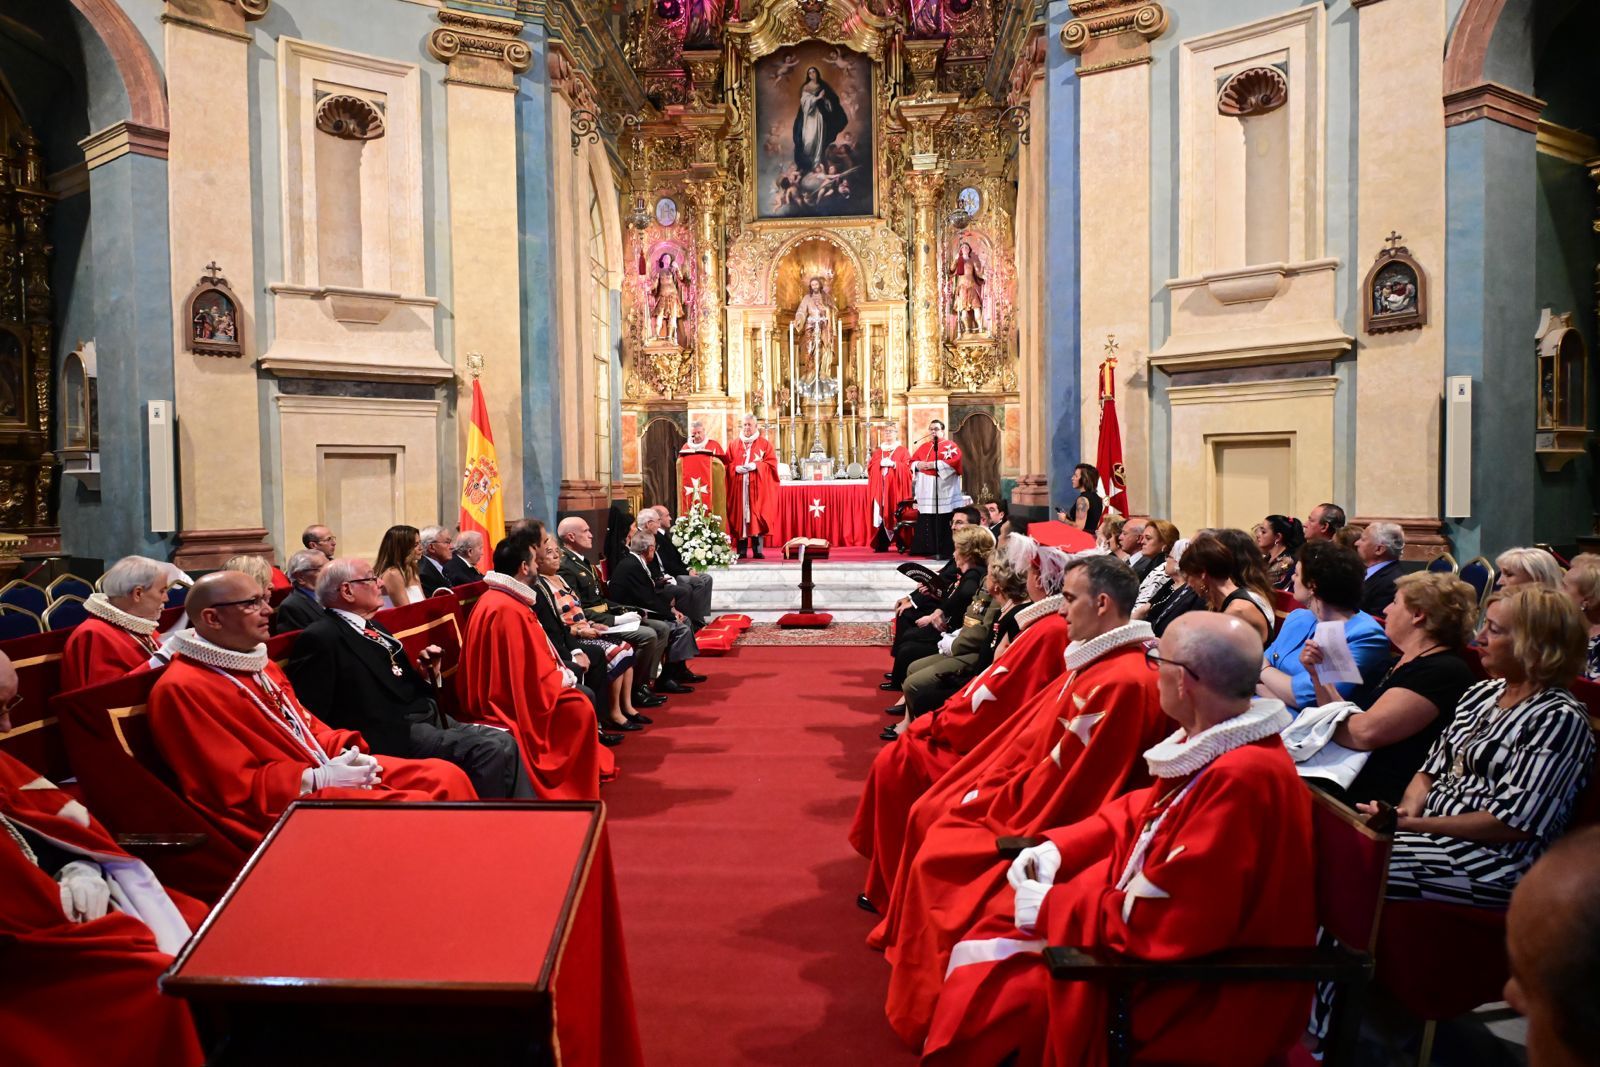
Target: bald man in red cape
1106 713
241 746
119 637
510 676
1216 855
935 743
753 496
81 987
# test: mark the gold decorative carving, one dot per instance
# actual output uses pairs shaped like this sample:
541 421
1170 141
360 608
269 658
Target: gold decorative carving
784 22
480 50
922 60
705 70
1257 91
1108 34
926 188
349 118
707 194
754 256
972 363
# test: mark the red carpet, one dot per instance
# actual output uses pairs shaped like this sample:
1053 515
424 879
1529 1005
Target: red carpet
738 887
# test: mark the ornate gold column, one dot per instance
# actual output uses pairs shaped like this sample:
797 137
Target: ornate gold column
706 119
922 116
706 194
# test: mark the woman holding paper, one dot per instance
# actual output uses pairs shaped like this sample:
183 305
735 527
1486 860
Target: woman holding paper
1430 622
1355 651
615 654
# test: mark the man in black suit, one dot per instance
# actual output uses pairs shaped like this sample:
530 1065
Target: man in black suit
649 641
633 584
355 675
690 592
437 551
462 566
1380 547
300 608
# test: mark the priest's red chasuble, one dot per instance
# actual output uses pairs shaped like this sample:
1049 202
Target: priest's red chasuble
753 496
98 652
888 482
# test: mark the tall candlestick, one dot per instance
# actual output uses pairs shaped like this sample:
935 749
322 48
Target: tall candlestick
838 363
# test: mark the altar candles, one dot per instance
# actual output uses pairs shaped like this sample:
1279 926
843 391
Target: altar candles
838 363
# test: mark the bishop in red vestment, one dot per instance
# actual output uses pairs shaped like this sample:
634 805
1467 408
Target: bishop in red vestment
228 724
1216 855
753 503
888 483
1107 712
85 933
511 676
934 743
119 637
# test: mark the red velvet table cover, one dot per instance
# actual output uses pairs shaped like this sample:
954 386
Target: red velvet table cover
381 896
839 512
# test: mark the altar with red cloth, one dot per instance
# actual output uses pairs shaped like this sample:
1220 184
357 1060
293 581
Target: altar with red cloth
838 511
370 932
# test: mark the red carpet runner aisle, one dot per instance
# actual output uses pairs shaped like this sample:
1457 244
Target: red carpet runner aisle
738 887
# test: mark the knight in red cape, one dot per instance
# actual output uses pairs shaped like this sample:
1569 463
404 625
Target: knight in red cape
511 676
753 501
86 932
936 483
1083 752
934 743
888 483
241 746
1216 855
119 637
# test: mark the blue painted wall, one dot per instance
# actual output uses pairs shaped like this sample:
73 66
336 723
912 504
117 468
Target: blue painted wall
1059 131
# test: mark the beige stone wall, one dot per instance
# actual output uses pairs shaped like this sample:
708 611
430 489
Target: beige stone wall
1032 377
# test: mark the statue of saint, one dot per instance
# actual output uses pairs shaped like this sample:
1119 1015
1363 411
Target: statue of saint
703 24
667 292
967 277
815 316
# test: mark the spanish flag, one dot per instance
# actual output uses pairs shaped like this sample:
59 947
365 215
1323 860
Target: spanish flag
482 506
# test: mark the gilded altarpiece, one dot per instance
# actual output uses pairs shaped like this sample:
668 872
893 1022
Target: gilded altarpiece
793 124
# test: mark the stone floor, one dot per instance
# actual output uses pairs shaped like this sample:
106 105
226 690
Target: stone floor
851 592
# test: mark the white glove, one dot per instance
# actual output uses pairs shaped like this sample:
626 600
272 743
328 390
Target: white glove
946 643
968 798
1030 896
744 468
350 769
1037 864
84 893
886 463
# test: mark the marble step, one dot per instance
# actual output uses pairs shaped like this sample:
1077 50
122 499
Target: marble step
851 592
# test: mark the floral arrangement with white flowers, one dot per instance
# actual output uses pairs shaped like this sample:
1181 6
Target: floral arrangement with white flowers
701 541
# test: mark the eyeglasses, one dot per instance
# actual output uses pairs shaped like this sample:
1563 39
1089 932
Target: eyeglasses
373 578
250 607
1154 659
11 705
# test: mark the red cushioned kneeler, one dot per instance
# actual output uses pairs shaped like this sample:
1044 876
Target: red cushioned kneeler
798 620
476 932
742 622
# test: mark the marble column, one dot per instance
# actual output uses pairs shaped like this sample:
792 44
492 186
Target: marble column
212 213
485 57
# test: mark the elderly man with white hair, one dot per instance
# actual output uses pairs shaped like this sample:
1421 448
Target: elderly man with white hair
690 591
651 638
1380 547
119 637
300 608
467 551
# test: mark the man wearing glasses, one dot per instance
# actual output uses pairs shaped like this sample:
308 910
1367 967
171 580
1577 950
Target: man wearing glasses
320 538
241 744
1215 855
1075 748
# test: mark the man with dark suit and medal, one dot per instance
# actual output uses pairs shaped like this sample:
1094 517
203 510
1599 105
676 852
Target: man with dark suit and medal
354 674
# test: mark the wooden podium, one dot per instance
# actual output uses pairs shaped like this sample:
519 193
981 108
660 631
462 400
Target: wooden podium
372 932
703 479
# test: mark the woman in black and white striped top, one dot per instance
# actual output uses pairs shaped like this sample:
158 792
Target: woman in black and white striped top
1502 781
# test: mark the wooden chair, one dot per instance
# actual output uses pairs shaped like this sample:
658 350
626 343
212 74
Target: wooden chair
65 612
1479 573
1443 563
1352 873
16 623
21 594
35 735
130 788
176 595
68 585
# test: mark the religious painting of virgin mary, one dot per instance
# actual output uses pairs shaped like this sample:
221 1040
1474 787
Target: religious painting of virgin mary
814 112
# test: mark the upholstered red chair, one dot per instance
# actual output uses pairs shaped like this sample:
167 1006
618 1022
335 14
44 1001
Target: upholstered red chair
131 790
35 736
434 621
1589 693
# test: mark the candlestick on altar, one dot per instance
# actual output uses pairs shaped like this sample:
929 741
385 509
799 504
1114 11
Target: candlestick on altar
838 363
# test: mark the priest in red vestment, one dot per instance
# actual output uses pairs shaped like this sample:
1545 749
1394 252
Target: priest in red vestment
699 442
888 483
753 500
85 933
936 486
1216 855
934 743
241 746
1106 712
511 676
119 637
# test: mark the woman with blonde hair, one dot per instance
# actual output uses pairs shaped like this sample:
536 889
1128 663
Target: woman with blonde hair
396 566
1527 566
1581 583
256 567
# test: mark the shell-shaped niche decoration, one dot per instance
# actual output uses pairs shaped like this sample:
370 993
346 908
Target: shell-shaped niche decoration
349 118
1256 91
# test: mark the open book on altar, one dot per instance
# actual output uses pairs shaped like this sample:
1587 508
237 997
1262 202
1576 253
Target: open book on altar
937 586
800 547
625 623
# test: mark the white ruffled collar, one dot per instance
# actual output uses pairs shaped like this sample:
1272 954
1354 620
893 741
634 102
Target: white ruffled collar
507 584
1179 756
101 607
1038 610
752 439
1080 654
190 645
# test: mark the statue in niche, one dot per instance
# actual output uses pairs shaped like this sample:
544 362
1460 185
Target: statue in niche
815 316
703 23
925 18
967 300
668 289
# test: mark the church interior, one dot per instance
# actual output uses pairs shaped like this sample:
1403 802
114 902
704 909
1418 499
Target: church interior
1059 373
